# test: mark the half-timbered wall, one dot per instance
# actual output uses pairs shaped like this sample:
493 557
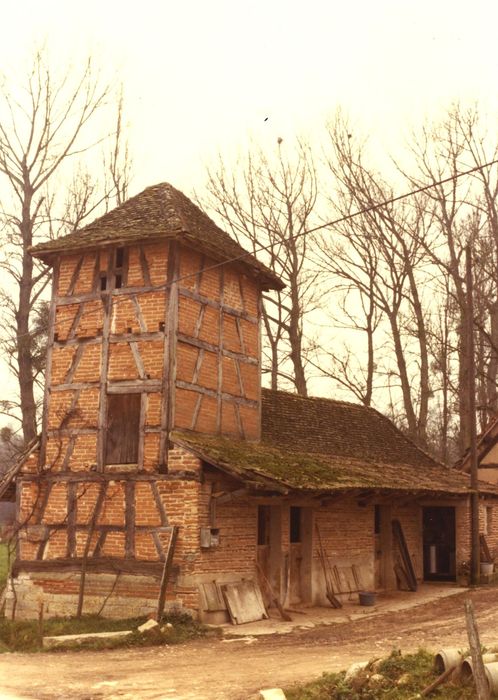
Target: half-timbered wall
190 348
145 340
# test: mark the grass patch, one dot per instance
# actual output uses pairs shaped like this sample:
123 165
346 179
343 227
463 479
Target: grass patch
402 677
25 636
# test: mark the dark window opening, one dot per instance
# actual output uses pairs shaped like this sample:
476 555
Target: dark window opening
119 282
123 426
103 282
263 525
377 520
295 524
119 257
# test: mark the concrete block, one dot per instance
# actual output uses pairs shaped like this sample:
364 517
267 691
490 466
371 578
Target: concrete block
272 694
63 639
149 625
355 669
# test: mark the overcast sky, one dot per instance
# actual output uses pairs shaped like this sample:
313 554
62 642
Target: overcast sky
201 76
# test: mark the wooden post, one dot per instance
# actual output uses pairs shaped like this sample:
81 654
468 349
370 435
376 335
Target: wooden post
84 561
169 354
48 361
168 563
474 482
481 683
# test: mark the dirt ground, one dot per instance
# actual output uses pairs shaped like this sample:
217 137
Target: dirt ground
235 669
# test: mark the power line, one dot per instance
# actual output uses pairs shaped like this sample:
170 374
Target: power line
334 222
307 232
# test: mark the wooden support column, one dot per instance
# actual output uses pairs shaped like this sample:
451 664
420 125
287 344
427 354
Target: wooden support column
141 434
260 316
48 364
169 355
104 364
130 520
387 576
219 405
72 505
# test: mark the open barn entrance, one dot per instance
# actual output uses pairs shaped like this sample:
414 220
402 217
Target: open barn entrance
300 554
439 543
269 539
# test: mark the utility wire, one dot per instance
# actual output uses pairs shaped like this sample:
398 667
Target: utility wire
334 222
328 224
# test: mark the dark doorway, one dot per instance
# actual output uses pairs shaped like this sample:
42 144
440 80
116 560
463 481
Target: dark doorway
439 543
269 548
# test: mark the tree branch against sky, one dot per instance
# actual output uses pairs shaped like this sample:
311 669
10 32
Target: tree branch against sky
52 125
267 201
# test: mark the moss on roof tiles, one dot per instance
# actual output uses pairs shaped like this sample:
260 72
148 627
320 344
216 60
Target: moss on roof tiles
159 212
265 464
324 426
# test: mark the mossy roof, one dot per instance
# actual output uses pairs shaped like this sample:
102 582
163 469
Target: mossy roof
159 212
336 428
318 445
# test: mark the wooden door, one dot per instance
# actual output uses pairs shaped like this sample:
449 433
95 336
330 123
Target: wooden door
296 555
269 549
123 426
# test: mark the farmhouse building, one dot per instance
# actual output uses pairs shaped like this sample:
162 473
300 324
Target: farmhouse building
155 425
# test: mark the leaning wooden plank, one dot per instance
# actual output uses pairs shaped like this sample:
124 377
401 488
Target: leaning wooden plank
357 578
329 587
439 680
485 553
244 602
168 565
273 597
478 672
91 528
401 577
405 554
213 597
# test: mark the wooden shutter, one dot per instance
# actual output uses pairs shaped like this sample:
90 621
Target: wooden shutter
123 421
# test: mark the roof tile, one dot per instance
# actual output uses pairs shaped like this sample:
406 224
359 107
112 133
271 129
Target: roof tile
159 212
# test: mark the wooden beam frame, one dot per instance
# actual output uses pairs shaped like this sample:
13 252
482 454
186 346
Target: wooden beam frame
169 354
48 370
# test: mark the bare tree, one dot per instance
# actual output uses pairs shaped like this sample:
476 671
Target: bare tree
465 211
378 255
268 203
46 132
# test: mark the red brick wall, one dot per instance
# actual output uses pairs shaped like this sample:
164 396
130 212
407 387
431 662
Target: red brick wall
218 350
216 374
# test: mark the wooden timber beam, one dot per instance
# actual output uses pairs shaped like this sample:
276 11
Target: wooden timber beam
197 343
134 386
109 476
94 564
190 294
64 300
104 363
169 354
48 362
213 393
113 338
218 350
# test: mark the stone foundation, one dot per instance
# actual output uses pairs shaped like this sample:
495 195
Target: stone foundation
129 596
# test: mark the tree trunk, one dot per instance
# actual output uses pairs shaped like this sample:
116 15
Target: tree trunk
27 398
411 418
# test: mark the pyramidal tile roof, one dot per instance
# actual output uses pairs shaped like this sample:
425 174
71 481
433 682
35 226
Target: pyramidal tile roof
159 212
